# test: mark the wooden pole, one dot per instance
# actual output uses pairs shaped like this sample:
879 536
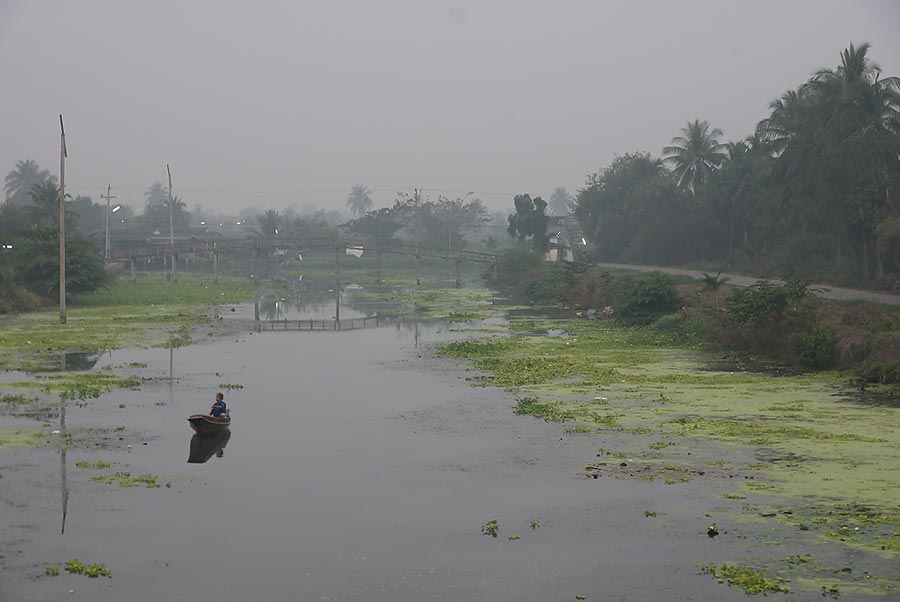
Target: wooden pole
337 284
418 266
216 262
62 221
494 271
378 280
108 197
133 270
172 228
458 274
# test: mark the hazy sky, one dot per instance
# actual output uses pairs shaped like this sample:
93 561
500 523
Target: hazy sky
270 103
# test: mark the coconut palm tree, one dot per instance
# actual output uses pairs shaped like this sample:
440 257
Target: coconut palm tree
44 207
695 154
269 223
560 201
156 194
360 200
20 181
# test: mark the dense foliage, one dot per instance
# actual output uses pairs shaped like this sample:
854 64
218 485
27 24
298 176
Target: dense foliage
815 190
36 263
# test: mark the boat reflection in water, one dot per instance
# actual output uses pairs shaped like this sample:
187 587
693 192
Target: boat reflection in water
204 447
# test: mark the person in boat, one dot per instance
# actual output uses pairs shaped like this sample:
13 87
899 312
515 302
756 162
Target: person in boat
219 408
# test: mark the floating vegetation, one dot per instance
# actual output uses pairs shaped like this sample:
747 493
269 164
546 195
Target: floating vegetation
230 386
534 524
76 567
126 479
98 465
749 580
52 570
555 411
21 437
491 528
513 537
84 385
16 399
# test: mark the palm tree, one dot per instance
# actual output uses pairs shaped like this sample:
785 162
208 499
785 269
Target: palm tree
157 194
695 154
712 284
20 181
44 207
359 200
269 222
560 201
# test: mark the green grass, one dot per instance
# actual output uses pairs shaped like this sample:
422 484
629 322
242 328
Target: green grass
148 313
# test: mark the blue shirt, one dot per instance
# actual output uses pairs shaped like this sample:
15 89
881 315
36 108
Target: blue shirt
218 408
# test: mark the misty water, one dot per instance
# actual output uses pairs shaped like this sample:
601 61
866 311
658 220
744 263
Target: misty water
359 467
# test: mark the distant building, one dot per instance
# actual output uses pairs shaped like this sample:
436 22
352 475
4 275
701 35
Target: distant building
566 239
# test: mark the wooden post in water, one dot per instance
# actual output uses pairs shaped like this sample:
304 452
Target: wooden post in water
133 269
337 284
418 266
256 310
458 272
378 280
216 262
494 271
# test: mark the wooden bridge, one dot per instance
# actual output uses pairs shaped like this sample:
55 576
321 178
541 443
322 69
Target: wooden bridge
339 245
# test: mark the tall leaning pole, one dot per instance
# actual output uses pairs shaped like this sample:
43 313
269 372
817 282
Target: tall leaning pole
62 221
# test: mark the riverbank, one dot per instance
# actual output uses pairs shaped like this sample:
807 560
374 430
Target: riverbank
805 456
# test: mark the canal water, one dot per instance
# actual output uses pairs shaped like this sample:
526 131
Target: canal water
360 467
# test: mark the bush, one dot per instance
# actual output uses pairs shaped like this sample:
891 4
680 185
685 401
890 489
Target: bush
813 349
646 299
765 301
37 263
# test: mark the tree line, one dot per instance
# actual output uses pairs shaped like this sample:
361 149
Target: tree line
813 191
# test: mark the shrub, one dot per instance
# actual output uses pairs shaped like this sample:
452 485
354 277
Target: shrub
765 301
644 300
813 349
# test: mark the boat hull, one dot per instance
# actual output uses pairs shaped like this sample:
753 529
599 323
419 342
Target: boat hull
204 424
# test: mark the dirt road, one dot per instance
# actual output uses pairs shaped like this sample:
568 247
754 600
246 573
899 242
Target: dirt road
825 290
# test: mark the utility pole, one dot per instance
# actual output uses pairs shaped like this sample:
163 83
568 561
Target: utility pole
63 153
172 228
108 197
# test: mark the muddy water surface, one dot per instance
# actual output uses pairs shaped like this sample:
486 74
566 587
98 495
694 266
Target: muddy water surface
359 468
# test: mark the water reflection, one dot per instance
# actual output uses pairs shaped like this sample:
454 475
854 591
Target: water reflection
63 470
204 447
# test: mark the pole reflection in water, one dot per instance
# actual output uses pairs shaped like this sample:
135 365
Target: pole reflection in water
63 447
204 447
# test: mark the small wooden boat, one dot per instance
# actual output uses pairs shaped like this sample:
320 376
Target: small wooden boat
204 424
204 447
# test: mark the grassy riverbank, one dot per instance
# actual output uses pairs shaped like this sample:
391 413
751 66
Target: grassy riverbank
149 312
807 455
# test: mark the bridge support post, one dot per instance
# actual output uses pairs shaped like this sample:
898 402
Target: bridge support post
216 262
418 266
337 284
133 269
378 279
458 273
